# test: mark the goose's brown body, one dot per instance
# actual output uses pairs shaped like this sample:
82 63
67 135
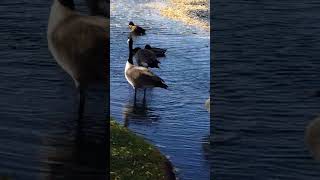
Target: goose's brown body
141 77
312 138
78 43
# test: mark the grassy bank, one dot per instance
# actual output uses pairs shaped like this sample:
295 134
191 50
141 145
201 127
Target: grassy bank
133 158
192 12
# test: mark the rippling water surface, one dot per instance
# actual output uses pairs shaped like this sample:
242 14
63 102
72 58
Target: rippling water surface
174 120
39 135
266 74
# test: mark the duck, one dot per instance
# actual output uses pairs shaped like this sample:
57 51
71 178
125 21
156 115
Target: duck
79 44
312 138
136 30
145 58
159 52
140 77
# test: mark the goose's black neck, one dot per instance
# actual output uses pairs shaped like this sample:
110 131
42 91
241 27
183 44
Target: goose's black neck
130 51
68 4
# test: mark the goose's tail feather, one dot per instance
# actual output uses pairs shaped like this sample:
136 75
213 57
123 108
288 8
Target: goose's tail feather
163 85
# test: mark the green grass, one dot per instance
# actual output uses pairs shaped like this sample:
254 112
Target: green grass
133 158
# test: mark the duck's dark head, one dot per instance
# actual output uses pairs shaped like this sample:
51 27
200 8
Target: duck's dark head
131 23
68 4
147 46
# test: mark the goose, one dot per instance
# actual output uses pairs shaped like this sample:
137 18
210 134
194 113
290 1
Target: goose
137 30
145 58
79 44
141 77
159 52
312 138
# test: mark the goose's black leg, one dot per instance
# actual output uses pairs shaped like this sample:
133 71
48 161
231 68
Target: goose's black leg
135 95
81 102
144 95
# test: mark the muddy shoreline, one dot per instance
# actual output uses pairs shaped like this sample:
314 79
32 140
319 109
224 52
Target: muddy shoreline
191 12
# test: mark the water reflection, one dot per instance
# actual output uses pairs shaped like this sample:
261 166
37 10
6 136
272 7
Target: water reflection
206 145
80 151
138 112
80 157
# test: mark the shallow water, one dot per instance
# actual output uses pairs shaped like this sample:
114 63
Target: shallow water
174 120
39 135
266 74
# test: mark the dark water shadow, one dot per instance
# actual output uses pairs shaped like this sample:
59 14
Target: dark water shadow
206 145
83 152
138 112
78 159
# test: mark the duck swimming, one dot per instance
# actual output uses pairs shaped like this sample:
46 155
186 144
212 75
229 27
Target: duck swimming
136 30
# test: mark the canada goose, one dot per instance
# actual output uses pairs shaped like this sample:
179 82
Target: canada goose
159 52
135 29
145 58
141 77
79 44
312 137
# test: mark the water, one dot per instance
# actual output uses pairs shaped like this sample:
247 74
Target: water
174 120
39 135
265 75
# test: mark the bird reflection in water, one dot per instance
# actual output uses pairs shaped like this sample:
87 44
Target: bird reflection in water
139 113
80 157
206 146
81 151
